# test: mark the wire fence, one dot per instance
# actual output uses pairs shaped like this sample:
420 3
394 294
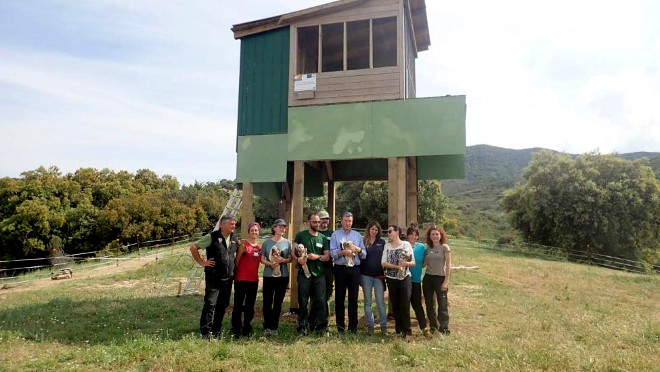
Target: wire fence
22 271
13 272
555 253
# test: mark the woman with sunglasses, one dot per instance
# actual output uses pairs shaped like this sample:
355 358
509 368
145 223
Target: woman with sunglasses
396 260
436 280
373 278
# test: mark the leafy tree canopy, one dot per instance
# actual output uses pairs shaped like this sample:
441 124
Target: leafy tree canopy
600 203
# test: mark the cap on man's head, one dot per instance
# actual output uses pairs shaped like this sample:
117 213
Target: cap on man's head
323 214
279 222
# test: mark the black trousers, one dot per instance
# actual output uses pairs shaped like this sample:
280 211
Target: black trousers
347 278
274 290
245 295
216 301
400 291
328 293
416 302
432 284
312 288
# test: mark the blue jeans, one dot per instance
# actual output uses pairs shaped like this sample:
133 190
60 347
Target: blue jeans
368 283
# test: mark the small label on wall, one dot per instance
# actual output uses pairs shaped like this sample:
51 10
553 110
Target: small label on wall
304 82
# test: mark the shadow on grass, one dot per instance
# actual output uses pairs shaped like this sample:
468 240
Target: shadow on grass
117 321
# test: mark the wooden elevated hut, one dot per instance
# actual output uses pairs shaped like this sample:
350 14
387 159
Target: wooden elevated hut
328 94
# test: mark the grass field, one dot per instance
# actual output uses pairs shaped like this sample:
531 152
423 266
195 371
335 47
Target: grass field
513 313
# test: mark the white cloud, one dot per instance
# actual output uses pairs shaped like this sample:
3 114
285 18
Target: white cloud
147 84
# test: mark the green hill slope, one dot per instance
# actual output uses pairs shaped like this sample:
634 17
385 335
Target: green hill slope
489 170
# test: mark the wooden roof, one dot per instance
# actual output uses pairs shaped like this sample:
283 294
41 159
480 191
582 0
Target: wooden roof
417 10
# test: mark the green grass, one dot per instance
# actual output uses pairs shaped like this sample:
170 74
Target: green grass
513 313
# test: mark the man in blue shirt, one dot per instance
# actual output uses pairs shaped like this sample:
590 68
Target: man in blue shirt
347 248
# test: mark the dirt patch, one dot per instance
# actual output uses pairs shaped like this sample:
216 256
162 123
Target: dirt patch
118 266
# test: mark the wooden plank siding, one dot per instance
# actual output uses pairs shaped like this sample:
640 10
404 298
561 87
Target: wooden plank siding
354 85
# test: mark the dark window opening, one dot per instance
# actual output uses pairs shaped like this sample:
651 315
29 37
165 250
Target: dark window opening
385 40
332 47
308 50
357 45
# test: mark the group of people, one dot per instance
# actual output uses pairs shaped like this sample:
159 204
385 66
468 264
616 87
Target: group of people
325 257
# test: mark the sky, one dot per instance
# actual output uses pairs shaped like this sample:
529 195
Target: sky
128 85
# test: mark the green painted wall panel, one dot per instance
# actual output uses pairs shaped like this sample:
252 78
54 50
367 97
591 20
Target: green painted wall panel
261 158
360 170
313 181
424 126
268 190
359 137
330 132
441 167
415 127
263 83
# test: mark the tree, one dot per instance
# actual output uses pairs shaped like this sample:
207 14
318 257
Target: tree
604 202
432 203
373 203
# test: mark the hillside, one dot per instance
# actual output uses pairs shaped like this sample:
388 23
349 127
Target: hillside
489 170
514 312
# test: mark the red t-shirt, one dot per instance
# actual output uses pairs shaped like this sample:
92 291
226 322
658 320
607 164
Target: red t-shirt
248 267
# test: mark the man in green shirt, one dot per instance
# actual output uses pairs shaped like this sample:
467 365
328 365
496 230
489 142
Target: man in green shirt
312 288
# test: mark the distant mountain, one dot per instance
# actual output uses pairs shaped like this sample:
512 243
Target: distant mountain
484 163
489 170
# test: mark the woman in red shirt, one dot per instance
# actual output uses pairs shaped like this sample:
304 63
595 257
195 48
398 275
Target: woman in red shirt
246 283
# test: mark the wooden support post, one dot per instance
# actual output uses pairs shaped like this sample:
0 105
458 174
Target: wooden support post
331 194
412 188
396 193
295 224
331 204
401 191
247 210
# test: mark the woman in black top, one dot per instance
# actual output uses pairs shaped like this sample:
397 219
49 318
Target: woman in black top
373 278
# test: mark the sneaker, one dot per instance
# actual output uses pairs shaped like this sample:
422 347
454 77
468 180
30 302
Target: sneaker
267 332
445 331
370 331
206 337
274 332
426 332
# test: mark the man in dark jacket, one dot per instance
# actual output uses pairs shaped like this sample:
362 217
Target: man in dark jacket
221 246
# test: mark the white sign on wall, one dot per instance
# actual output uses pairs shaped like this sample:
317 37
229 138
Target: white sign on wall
304 82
